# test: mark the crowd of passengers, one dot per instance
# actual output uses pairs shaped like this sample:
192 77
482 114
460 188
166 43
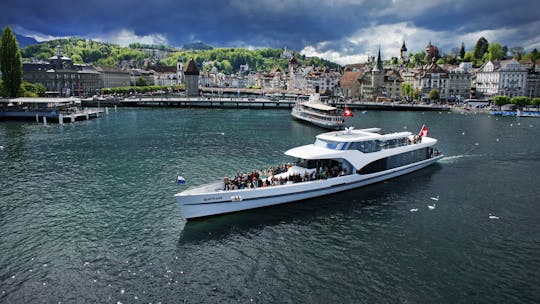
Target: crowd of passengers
267 178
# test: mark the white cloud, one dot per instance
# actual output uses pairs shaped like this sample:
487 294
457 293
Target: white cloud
335 56
389 38
125 37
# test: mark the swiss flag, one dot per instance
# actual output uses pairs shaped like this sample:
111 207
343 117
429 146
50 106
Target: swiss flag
347 112
423 131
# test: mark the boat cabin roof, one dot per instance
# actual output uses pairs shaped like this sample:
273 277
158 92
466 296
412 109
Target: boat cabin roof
351 135
319 106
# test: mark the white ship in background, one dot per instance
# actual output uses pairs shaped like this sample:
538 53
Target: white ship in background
320 114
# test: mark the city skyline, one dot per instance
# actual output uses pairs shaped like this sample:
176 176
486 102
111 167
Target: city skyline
343 31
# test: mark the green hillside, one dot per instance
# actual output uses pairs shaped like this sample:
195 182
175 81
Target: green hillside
227 60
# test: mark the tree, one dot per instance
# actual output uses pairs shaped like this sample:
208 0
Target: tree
434 95
501 100
10 63
408 92
462 51
469 57
419 58
480 48
495 52
536 102
141 82
520 101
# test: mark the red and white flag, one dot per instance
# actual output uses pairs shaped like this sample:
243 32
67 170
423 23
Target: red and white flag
347 112
423 131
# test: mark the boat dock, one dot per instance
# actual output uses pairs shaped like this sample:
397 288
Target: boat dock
252 102
59 110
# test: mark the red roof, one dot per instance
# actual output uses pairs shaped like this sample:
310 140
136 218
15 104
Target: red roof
349 78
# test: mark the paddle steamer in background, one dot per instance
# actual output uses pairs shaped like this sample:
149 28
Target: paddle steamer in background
320 114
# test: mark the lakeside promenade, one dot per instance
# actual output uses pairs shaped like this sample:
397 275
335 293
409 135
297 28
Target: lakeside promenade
251 102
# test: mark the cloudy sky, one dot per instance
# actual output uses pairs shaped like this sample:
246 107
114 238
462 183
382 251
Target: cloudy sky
344 31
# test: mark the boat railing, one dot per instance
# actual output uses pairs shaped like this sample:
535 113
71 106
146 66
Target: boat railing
321 116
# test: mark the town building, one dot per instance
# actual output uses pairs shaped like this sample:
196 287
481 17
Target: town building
433 77
164 75
350 84
532 88
63 77
380 83
323 80
506 77
136 74
113 78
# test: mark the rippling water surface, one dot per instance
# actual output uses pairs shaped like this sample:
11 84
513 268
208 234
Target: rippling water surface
87 214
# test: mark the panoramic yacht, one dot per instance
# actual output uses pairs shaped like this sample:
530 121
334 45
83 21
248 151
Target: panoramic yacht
337 161
320 114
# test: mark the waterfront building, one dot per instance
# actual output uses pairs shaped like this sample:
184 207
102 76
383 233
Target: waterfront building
380 83
164 75
323 80
297 79
459 82
113 78
532 88
506 77
135 74
433 77
192 79
392 84
350 84
63 77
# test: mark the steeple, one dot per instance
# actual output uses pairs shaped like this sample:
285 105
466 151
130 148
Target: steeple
378 65
403 47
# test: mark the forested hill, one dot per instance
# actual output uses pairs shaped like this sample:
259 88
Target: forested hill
227 60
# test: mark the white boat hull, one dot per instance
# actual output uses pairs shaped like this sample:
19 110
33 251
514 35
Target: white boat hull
329 125
196 205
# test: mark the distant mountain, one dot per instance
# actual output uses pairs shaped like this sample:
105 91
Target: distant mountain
24 41
197 46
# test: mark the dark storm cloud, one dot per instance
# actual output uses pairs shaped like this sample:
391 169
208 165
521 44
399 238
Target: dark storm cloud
274 23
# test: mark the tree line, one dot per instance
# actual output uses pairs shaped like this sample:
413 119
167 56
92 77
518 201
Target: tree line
520 101
481 52
225 60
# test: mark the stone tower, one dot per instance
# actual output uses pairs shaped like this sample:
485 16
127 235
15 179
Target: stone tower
403 53
192 79
293 66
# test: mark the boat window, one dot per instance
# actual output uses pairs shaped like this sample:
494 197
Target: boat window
306 163
328 144
365 146
395 161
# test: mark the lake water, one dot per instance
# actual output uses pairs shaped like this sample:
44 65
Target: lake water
87 214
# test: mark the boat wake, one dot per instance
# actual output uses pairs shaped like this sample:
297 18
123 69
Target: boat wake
456 158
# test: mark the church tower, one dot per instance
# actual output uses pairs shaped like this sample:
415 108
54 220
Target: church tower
293 66
377 75
403 53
